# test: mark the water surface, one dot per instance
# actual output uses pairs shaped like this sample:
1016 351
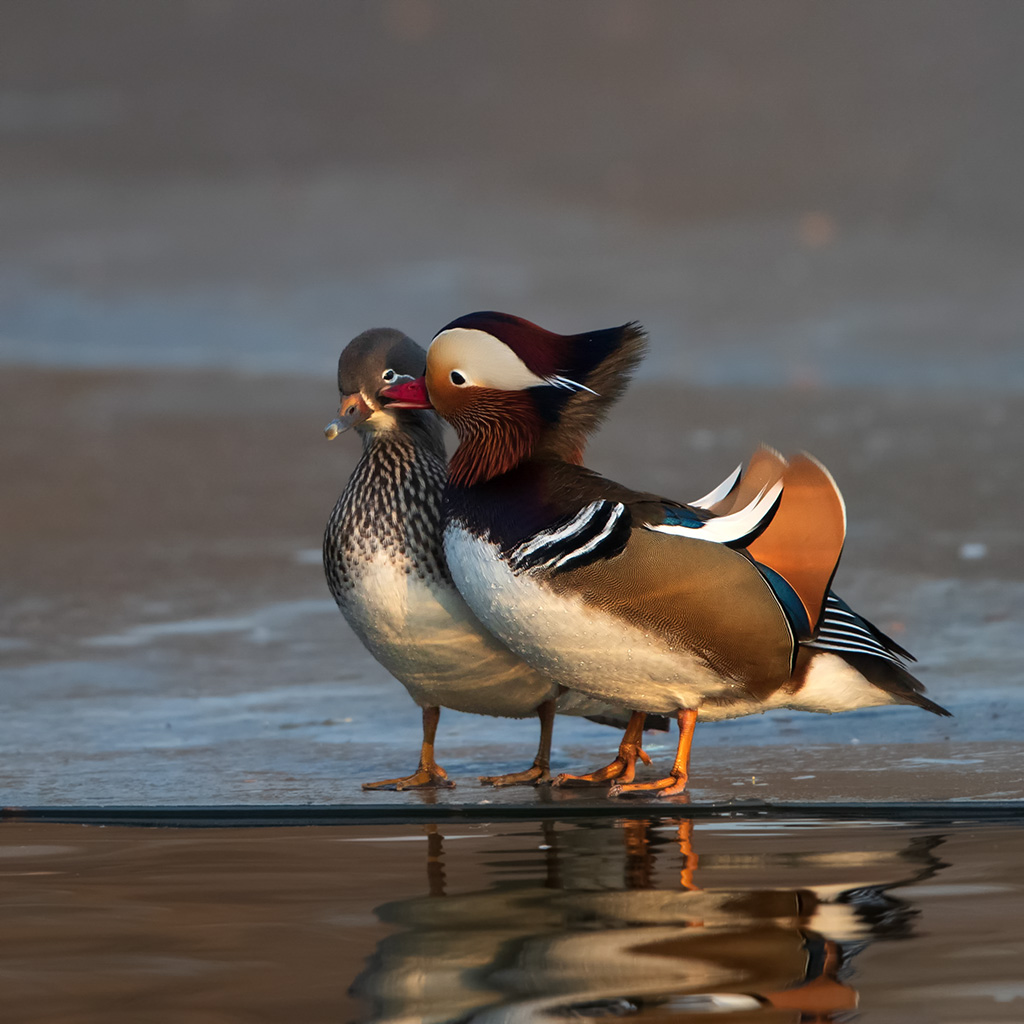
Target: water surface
649 919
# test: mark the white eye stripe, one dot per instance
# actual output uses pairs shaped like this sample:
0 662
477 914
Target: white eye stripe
481 359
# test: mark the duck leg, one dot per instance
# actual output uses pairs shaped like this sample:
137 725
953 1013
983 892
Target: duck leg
675 782
429 774
623 767
539 772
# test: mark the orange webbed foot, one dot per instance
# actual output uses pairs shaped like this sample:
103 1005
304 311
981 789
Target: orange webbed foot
535 775
622 769
674 783
431 776
671 785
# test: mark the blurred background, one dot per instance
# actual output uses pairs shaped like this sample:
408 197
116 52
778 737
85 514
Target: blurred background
784 192
816 209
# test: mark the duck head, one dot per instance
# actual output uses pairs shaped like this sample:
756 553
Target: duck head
512 389
372 362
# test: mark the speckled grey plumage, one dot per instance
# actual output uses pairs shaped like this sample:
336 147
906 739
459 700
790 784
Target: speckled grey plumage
390 508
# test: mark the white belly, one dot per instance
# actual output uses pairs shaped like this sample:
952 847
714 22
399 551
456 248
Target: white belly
422 632
580 646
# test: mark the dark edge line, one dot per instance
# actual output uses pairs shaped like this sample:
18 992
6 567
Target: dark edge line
242 816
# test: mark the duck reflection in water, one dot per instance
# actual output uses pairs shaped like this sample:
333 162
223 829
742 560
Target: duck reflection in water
615 921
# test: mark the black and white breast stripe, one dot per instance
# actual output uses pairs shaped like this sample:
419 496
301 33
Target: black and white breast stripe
844 631
599 530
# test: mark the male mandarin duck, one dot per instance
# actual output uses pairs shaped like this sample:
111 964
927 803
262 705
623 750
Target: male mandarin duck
711 610
386 570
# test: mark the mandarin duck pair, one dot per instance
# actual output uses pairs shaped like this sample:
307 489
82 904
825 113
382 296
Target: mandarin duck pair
386 569
515 581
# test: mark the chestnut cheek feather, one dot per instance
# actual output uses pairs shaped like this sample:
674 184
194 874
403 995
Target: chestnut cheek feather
497 430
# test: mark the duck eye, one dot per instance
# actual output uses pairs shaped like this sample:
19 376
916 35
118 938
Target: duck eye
457 378
388 376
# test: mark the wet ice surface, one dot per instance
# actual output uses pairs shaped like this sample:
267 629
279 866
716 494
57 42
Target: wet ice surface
659 919
169 640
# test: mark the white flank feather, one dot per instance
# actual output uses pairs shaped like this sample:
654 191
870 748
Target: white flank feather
547 537
613 520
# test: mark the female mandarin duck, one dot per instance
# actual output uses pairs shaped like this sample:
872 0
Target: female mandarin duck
711 610
386 570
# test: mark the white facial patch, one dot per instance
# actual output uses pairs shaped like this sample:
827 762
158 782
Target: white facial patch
483 360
